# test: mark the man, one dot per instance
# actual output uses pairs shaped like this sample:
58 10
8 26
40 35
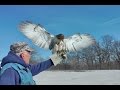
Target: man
15 67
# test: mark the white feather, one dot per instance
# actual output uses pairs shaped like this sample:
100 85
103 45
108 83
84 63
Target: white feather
77 42
37 34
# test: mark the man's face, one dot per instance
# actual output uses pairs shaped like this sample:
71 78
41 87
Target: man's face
26 55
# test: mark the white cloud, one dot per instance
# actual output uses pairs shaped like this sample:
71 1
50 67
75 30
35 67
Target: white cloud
112 21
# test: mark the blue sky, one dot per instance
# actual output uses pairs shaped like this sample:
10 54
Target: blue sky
97 20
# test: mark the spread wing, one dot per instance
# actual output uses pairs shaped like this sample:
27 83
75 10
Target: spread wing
36 33
77 42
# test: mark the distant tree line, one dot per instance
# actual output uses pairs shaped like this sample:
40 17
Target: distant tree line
104 55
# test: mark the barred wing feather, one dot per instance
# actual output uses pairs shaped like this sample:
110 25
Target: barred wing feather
77 42
36 33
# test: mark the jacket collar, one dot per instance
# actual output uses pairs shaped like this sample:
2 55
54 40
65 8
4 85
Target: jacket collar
13 58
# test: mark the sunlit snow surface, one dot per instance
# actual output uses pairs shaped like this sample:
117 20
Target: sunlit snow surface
90 77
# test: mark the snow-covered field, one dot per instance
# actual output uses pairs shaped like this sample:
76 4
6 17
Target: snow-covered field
92 77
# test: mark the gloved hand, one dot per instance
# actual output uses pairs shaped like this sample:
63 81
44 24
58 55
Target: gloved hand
56 58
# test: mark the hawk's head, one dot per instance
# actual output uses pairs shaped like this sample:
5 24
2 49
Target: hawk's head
60 36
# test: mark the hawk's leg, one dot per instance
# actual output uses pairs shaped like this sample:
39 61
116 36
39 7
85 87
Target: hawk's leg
63 56
62 53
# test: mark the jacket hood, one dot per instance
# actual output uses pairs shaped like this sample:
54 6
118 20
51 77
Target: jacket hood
13 58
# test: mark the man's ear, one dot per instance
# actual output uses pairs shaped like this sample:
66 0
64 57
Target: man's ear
21 55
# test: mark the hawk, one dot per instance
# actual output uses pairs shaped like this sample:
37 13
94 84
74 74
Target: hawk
56 43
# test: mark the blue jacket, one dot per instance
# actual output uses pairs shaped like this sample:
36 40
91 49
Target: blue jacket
11 76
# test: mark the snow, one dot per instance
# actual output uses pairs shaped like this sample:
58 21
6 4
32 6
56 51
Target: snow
90 77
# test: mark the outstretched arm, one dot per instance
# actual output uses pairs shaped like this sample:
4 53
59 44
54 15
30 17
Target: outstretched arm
41 66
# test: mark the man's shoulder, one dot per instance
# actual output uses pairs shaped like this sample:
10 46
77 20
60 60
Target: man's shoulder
10 70
7 69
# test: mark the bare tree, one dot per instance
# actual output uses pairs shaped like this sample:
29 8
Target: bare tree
116 52
107 45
